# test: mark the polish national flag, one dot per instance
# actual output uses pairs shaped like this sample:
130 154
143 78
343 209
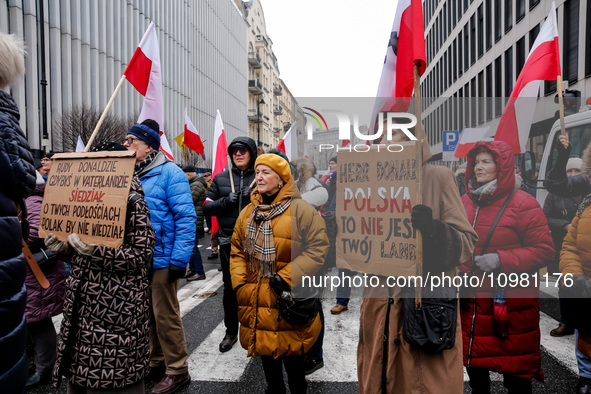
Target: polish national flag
219 160
543 63
289 142
144 73
192 140
469 138
406 48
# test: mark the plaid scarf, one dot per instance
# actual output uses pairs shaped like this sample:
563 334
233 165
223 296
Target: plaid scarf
584 204
259 243
139 167
481 195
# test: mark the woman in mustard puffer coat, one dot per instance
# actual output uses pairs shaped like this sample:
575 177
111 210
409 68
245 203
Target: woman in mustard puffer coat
267 246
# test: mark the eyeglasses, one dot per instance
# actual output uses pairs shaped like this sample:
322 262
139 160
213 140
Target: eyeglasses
242 151
45 159
130 140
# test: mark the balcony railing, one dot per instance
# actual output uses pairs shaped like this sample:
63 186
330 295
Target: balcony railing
254 60
277 110
255 86
253 116
277 89
276 129
286 127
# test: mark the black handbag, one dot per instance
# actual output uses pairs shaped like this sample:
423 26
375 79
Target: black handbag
45 258
298 311
433 327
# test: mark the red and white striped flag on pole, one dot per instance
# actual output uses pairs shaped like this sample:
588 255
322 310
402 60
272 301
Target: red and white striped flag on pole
469 138
289 142
405 48
143 72
191 139
543 63
219 159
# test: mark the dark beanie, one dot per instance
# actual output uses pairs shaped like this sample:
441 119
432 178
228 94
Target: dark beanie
189 169
148 131
334 158
109 146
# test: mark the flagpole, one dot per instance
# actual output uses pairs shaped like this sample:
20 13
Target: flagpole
560 104
419 171
229 166
104 115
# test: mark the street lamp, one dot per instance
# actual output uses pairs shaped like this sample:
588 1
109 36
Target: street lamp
259 102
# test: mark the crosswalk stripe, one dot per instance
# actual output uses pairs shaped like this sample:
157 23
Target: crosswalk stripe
563 348
188 295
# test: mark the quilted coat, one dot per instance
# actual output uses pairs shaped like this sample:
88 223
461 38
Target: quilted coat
221 187
18 181
385 361
171 211
523 242
42 303
198 192
301 248
575 257
104 341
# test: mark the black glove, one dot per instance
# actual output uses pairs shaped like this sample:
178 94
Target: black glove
421 218
563 153
278 284
175 273
231 199
246 193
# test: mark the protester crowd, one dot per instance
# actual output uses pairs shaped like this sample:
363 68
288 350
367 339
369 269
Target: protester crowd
274 222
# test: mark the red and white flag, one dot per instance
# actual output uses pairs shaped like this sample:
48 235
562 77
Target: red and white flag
469 138
144 73
191 139
219 159
543 63
289 142
406 48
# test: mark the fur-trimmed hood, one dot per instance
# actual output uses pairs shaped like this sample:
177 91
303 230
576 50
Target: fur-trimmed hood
305 169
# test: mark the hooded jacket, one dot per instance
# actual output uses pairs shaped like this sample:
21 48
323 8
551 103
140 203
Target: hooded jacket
42 303
383 356
301 248
171 211
104 339
575 257
215 204
18 181
523 243
312 191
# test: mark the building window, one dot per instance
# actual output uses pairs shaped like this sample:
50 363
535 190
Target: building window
445 71
533 34
473 102
489 92
498 86
466 48
459 59
508 71
481 97
533 3
519 10
498 29
480 32
461 104
488 23
520 54
453 12
444 17
473 39
454 61
508 15
465 5
571 40
588 43
467 101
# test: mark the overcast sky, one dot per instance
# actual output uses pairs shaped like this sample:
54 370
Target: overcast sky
330 48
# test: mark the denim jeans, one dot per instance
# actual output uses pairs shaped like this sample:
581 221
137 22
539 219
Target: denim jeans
344 290
583 361
196 262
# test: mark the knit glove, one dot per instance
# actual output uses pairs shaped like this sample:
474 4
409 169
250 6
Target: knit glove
421 218
56 246
231 199
175 273
80 247
488 262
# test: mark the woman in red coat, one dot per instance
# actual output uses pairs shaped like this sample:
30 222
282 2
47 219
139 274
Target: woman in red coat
500 322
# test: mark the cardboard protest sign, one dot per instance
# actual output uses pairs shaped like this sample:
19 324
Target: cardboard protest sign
86 194
375 195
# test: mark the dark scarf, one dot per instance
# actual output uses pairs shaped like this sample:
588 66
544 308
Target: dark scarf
481 194
139 167
584 204
259 243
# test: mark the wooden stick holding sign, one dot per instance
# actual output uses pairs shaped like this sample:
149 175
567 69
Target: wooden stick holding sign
229 167
104 115
419 192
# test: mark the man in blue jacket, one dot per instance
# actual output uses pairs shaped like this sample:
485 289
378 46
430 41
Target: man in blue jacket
173 219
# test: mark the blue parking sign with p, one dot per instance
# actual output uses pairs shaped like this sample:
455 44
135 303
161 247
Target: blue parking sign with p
450 140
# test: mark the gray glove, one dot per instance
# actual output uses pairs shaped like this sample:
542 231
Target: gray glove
80 247
55 245
580 288
488 262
